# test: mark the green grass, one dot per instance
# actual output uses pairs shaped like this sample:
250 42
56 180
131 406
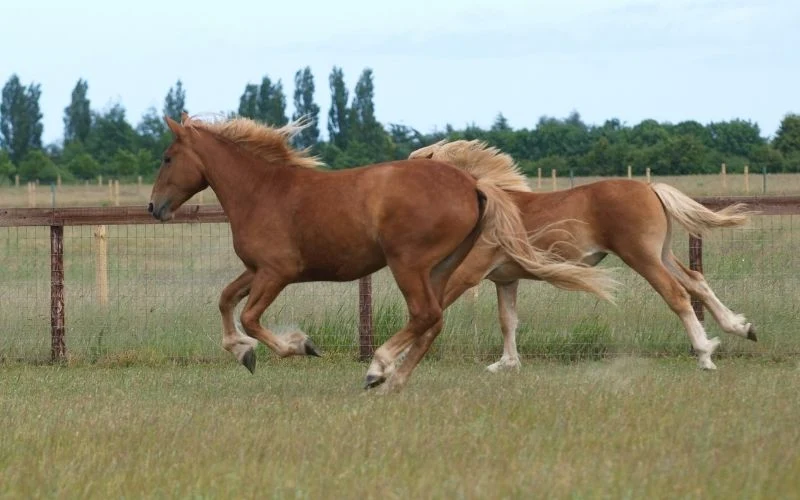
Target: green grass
164 283
300 428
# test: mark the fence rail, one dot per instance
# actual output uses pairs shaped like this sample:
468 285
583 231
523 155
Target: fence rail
57 218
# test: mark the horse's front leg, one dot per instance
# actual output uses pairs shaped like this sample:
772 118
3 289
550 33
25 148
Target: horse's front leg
233 340
263 290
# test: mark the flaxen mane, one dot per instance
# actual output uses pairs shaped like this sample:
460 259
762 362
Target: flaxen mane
267 143
480 161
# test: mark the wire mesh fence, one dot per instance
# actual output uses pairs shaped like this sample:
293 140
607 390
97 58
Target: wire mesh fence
148 292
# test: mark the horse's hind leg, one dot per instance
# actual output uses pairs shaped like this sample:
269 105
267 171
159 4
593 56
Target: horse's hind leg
263 290
696 284
425 313
234 341
507 310
676 296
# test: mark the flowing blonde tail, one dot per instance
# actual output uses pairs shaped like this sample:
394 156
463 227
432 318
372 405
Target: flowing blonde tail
503 228
696 218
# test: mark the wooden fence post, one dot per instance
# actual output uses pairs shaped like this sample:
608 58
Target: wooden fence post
16 181
58 347
555 182
647 174
696 264
116 192
630 172
101 264
366 342
724 174
746 179
539 183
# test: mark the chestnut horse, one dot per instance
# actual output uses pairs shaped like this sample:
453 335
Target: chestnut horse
291 222
628 218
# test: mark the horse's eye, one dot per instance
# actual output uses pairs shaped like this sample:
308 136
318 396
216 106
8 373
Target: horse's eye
167 159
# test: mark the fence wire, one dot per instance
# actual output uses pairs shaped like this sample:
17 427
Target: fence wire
155 299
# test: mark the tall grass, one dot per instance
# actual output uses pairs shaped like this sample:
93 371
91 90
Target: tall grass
165 281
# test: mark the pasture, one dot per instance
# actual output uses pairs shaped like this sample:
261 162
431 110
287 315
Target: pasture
624 428
608 403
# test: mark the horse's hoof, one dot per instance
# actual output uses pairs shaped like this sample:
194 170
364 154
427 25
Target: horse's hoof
249 360
751 334
311 349
373 381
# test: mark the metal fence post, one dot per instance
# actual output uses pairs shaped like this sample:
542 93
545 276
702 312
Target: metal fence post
58 348
366 344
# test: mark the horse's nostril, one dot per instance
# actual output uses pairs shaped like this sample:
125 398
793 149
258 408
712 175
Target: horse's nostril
150 207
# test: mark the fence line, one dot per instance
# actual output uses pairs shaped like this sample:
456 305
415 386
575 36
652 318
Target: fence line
57 218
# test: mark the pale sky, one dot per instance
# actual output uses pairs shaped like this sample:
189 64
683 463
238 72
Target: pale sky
435 61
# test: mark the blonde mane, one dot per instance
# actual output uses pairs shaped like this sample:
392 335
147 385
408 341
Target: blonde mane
267 143
480 161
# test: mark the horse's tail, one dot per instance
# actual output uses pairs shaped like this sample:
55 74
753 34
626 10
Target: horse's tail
503 228
696 218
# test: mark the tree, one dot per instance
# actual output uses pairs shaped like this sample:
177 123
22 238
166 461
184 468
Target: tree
152 133
20 119
78 115
364 127
175 101
110 132
500 124
271 103
787 138
38 166
265 103
338 119
7 168
304 106
248 102
83 166
736 137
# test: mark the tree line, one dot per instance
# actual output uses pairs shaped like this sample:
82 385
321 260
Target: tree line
104 142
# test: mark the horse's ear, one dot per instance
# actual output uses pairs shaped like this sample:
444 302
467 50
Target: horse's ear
176 128
184 117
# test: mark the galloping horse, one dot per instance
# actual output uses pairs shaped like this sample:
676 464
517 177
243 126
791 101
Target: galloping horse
291 222
628 218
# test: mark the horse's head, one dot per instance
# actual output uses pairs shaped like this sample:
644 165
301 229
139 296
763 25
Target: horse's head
180 176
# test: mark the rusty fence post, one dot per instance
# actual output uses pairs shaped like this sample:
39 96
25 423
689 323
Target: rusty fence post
58 349
366 344
696 264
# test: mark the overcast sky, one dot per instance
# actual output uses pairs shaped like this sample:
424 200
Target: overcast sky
435 62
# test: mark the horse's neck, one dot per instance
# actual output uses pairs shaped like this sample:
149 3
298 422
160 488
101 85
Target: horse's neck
237 179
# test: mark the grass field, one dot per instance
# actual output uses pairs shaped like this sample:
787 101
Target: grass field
608 403
621 428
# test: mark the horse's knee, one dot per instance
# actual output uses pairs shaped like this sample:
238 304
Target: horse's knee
250 320
427 318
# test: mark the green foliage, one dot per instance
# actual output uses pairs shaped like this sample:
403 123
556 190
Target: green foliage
20 119
83 166
7 169
38 166
305 106
338 115
78 115
110 133
125 163
787 139
265 103
175 101
366 133
105 143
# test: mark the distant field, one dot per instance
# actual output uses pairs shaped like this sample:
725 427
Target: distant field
131 194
